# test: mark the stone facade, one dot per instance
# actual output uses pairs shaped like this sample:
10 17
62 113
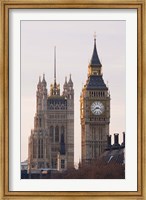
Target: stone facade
51 143
94 111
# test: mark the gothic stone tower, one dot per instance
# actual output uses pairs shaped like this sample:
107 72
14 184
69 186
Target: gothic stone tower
51 143
94 111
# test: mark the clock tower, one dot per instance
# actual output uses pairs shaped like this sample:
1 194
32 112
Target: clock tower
94 111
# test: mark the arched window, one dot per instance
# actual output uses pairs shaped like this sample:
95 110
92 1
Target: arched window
51 133
57 134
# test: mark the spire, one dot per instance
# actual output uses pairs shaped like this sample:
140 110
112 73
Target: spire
95 59
70 78
65 83
55 66
55 89
43 78
44 81
70 81
65 79
39 83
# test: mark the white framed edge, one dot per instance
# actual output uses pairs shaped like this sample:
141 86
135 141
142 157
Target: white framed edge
130 181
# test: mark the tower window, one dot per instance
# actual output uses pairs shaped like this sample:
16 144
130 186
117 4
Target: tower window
62 134
40 122
34 148
93 134
62 164
40 148
57 134
54 163
51 133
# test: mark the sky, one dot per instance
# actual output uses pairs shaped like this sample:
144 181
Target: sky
74 43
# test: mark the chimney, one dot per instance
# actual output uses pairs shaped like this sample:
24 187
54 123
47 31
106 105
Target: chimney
123 143
116 138
116 144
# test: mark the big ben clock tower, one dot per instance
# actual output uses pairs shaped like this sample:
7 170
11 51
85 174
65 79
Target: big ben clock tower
94 111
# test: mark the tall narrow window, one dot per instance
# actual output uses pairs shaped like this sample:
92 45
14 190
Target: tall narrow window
42 153
62 134
40 122
40 148
34 148
100 133
51 133
93 134
62 164
57 134
47 148
54 163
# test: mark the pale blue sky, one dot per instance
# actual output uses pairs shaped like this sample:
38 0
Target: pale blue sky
74 43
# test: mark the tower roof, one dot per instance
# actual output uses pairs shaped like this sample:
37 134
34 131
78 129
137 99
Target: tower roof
95 59
96 82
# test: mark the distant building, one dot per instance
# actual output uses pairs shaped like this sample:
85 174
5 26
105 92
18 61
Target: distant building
51 143
94 111
24 165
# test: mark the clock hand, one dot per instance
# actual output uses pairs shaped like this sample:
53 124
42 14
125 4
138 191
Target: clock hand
97 108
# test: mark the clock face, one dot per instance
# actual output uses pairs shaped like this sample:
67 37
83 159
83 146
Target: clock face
97 108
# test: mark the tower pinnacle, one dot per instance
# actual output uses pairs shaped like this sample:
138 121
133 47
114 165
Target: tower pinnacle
94 37
55 88
70 81
54 66
95 59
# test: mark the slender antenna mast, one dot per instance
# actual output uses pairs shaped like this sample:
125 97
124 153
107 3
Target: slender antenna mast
94 37
55 65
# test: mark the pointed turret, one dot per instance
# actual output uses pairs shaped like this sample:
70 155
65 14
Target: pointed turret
95 62
70 83
39 83
65 84
39 96
44 94
65 88
44 81
70 89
